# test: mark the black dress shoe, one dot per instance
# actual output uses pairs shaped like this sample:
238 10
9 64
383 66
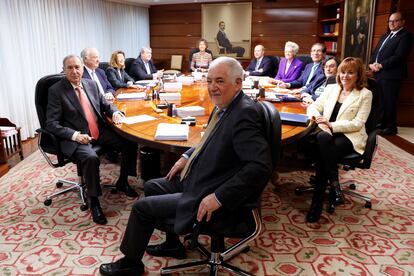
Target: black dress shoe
314 213
124 187
122 268
97 214
163 250
388 131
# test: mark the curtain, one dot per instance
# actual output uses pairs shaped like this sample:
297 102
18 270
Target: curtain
36 35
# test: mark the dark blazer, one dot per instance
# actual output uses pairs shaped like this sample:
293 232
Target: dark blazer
393 56
116 80
107 87
234 163
304 77
267 66
65 114
292 73
223 41
318 82
138 71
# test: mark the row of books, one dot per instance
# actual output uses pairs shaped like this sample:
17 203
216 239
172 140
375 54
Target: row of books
331 29
331 46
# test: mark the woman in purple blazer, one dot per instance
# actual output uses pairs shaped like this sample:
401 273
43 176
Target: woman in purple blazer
290 67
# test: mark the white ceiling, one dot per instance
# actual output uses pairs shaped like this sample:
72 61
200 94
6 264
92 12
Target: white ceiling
164 2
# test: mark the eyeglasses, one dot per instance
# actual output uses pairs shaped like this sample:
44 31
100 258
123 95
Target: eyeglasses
394 21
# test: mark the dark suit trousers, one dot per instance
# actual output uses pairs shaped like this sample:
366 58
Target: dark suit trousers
390 89
238 50
90 160
156 210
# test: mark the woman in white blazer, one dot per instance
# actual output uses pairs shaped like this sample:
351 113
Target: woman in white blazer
340 114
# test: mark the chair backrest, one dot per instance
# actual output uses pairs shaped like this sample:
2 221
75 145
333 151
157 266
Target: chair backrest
103 65
220 49
128 63
176 62
306 59
275 62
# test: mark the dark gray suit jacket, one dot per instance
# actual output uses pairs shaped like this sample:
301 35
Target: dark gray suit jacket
234 163
116 80
138 71
65 114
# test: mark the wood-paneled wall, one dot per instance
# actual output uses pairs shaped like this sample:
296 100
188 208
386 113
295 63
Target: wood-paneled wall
175 29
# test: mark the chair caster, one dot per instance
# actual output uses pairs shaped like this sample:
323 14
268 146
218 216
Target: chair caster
368 204
352 186
330 209
298 192
84 207
59 184
47 202
114 191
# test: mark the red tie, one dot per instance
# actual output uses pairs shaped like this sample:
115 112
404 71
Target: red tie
93 126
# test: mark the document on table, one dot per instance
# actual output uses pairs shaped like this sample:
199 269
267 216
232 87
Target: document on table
190 111
137 119
131 96
176 132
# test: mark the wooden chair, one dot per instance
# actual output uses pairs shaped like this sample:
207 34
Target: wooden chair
10 140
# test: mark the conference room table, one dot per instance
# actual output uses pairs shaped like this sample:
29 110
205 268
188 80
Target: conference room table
191 95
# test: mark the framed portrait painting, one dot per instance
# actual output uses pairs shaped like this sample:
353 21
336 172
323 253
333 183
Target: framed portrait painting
227 28
358 28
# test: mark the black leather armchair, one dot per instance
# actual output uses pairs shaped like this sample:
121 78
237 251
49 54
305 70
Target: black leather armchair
248 223
49 144
128 63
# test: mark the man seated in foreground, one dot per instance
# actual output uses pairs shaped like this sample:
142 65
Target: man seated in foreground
75 113
229 167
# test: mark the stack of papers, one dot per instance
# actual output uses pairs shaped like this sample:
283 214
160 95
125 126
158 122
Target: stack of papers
251 92
191 111
271 96
150 83
173 86
198 76
131 96
176 132
170 97
137 119
185 80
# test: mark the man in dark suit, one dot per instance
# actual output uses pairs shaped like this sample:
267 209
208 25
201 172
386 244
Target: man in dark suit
223 41
75 113
143 68
359 31
313 71
90 57
389 64
261 65
228 168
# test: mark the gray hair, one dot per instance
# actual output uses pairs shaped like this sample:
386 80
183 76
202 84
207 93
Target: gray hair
234 68
294 46
86 51
71 56
143 49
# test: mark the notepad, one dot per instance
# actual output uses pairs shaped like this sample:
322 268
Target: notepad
137 119
186 80
294 119
177 132
173 86
170 97
191 111
131 96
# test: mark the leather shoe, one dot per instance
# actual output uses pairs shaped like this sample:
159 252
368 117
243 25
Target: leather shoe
97 214
123 268
124 187
164 250
388 131
314 213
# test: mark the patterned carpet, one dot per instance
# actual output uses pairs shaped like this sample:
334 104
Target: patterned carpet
62 240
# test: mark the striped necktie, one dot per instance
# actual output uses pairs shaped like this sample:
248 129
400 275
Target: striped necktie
209 129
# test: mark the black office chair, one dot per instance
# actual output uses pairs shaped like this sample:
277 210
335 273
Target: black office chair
248 222
192 52
355 160
103 65
49 144
128 63
305 58
275 62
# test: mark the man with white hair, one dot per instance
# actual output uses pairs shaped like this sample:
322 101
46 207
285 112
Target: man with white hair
143 67
225 170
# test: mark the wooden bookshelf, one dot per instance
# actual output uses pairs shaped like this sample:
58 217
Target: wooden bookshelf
330 25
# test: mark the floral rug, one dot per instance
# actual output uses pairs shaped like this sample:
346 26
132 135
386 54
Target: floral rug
62 240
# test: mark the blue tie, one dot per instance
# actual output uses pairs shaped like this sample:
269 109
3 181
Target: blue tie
312 72
382 45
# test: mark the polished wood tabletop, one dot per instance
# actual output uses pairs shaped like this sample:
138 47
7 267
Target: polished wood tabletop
191 95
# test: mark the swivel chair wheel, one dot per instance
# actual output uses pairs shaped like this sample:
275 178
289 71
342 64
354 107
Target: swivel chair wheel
352 186
59 184
368 204
298 192
84 207
114 191
330 209
47 202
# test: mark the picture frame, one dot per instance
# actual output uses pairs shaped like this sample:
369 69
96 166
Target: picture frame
235 39
358 29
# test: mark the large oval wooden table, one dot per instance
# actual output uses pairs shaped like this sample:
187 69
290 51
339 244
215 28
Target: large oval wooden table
196 94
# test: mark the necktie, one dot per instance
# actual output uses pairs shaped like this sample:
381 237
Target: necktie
312 72
210 127
382 45
147 68
257 65
84 102
95 78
